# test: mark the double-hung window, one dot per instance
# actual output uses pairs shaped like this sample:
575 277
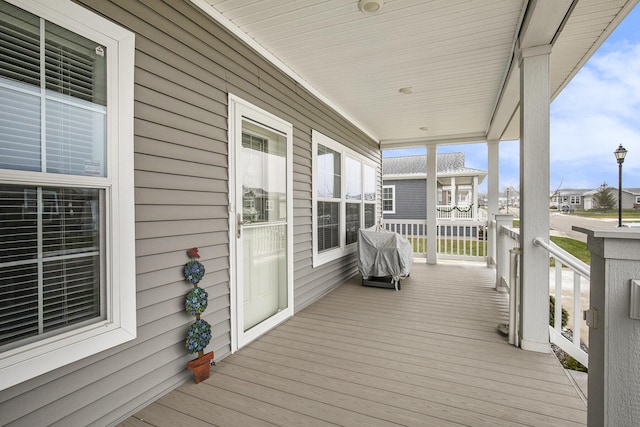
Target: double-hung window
67 263
389 199
344 198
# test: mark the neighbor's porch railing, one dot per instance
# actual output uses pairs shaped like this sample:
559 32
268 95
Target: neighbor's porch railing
461 211
508 259
456 239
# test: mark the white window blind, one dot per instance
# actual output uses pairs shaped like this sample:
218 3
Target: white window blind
50 269
51 79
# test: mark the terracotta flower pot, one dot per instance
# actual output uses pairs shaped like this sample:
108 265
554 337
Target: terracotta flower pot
201 367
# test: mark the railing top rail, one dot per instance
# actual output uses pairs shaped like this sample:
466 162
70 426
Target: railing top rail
564 257
441 221
511 232
461 221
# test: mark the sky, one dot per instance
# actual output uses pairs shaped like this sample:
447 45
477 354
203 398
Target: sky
597 111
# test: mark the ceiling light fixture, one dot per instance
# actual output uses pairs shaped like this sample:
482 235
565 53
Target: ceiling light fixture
406 90
370 6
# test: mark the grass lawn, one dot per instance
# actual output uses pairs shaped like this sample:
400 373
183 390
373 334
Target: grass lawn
608 213
575 247
447 246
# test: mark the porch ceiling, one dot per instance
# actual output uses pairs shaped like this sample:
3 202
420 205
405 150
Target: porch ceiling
457 56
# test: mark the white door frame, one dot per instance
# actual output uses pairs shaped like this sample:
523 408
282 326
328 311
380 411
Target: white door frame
238 108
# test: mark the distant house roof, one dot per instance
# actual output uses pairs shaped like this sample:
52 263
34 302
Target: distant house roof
633 191
448 164
569 191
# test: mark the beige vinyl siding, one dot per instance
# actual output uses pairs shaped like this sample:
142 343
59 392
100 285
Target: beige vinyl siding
185 66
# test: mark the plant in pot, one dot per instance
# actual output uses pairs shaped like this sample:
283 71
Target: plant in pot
195 304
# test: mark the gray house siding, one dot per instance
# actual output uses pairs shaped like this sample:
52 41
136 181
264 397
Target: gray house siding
185 66
410 199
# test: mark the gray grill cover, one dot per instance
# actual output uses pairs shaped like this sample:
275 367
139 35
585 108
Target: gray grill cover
383 253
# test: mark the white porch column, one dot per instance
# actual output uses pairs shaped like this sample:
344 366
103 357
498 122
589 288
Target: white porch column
475 198
534 197
614 327
454 198
432 205
493 194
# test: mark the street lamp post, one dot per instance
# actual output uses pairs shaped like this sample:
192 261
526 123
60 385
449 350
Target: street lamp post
620 153
507 200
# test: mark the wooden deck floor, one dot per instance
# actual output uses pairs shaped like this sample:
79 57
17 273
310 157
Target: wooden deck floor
428 355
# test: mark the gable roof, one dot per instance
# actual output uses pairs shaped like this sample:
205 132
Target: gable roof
569 191
631 191
448 164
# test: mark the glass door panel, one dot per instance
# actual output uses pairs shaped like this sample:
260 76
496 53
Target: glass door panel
262 166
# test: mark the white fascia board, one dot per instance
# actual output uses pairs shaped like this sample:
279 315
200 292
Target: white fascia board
404 177
436 140
235 30
424 176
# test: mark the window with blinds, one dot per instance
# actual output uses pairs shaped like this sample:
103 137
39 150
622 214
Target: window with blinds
50 269
344 198
52 120
52 82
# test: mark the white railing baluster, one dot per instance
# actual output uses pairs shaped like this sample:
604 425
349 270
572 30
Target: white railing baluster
576 309
514 295
557 315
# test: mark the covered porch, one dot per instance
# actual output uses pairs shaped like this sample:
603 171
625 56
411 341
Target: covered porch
429 354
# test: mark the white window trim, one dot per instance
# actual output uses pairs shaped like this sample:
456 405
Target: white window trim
29 361
393 200
343 249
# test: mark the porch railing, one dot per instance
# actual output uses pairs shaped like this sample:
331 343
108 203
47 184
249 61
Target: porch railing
508 257
456 239
462 211
580 271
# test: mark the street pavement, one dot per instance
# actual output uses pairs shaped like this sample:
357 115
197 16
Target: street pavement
561 224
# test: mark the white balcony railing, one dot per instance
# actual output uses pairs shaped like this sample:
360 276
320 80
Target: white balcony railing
507 260
462 211
580 271
456 239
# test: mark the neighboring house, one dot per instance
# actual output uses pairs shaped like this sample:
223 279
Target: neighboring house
567 199
636 196
404 193
629 198
570 200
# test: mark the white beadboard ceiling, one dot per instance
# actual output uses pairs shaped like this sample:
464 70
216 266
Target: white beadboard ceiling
456 55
